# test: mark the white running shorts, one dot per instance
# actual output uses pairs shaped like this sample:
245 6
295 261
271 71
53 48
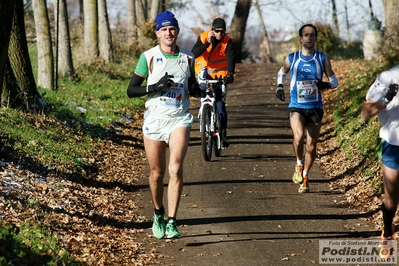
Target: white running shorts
158 127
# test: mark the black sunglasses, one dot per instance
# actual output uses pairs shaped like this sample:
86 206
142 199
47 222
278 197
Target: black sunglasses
218 31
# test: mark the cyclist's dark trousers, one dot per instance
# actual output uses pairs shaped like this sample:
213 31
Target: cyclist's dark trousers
222 113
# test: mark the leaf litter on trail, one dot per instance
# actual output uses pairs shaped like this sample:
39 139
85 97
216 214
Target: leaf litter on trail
93 216
345 178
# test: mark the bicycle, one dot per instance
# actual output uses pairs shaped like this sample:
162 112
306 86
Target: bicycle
209 123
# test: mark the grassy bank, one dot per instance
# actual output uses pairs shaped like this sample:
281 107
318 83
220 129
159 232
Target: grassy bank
79 113
357 138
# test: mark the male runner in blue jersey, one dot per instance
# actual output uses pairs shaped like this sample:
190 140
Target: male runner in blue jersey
306 67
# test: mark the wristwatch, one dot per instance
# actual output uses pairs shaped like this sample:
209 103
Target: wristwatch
384 100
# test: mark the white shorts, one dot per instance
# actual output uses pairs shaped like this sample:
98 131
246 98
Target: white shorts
158 127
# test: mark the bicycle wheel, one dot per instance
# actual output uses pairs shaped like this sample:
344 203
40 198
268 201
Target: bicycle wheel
217 141
206 136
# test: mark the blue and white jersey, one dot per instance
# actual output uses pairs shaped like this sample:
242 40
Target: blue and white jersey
304 72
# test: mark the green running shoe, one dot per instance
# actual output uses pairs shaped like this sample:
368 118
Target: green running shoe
304 187
158 226
171 230
297 178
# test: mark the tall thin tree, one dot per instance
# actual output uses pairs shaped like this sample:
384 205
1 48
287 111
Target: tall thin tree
391 9
391 36
90 30
44 45
104 33
63 39
81 13
6 12
155 9
335 17
145 27
131 20
19 88
18 54
238 25
347 20
266 54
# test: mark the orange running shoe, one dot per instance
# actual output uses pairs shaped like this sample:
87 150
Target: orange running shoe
385 248
304 187
297 178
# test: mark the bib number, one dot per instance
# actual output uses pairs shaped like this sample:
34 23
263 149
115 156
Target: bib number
307 91
172 97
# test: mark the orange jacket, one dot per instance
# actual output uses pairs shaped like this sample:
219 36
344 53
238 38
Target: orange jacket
214 60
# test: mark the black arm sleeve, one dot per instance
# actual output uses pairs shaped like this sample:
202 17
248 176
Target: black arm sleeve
230 55
199 47
191 80
135 89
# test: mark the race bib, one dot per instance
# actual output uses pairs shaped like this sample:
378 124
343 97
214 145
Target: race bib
172 97
307 91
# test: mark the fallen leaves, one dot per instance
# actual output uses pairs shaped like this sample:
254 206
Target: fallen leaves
342 171
288 256
94 214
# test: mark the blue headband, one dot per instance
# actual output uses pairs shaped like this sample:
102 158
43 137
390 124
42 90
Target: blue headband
164 19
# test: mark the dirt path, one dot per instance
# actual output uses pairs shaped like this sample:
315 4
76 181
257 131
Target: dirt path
242 208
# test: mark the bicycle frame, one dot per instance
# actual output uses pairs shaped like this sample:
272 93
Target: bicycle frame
209 132
208 100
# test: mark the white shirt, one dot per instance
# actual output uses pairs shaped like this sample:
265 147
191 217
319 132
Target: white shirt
174 100
388 117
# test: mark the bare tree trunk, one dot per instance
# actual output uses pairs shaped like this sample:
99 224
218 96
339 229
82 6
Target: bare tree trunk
391 9
391 35
131 22
347 20
142 8
335 17
104 33
90 30
6 11
44 45
145 34
238 25
19 55
9 94
155 5
266 52
81 13
141 15
64 58
19 83
166 3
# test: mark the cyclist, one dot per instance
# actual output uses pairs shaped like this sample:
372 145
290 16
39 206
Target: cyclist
169 71
214 51
307 67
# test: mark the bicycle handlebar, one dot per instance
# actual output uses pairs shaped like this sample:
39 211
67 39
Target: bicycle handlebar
215 81
203 77
212 81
